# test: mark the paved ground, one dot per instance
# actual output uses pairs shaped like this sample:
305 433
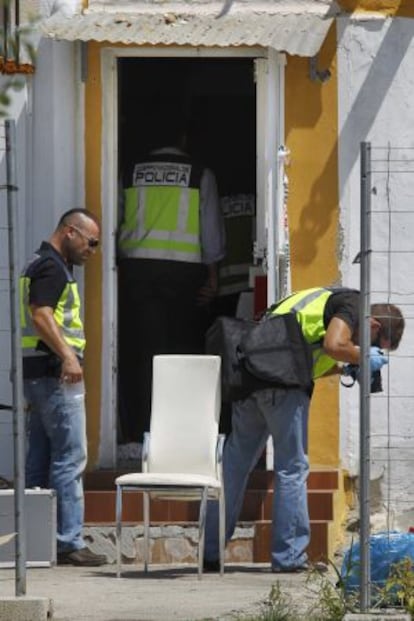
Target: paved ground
164 594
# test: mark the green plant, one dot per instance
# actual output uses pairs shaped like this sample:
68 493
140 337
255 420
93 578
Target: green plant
332 600
399 587
277 607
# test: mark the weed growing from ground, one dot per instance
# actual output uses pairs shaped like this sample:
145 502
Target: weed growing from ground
332 600
331 597
277 607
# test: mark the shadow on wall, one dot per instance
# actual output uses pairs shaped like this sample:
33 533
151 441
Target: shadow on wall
309 133
316 215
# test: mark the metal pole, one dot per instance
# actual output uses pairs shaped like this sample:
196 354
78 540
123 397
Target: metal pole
365 377
16 363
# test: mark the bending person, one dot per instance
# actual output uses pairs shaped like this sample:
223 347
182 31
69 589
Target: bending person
329 321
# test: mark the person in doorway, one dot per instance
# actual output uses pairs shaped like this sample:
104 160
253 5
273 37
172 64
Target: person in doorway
329 322
238 211
53 344
171 237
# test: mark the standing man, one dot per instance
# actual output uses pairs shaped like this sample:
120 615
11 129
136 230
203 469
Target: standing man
170 239
329 322
53 344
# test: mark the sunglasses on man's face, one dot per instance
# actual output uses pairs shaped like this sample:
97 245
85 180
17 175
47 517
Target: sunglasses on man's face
92 242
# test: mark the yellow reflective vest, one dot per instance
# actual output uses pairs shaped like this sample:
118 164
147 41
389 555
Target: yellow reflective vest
309 306
66 312
161 217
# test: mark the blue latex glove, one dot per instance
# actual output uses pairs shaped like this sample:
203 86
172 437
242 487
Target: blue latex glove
376 359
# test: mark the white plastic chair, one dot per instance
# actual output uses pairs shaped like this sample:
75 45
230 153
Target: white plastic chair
182 453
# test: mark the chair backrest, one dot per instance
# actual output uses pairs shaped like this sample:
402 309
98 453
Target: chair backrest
185 414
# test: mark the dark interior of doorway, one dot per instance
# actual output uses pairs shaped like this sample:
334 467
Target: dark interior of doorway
218 98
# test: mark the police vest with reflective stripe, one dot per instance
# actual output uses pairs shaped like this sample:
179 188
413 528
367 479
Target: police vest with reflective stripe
309 306
238 211
66 313
162 211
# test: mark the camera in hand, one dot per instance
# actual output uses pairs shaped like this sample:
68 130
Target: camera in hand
376 381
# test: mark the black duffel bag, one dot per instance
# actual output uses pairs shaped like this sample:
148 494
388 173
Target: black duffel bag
261 354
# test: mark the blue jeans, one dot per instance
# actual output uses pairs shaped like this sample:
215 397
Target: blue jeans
57 453
284 415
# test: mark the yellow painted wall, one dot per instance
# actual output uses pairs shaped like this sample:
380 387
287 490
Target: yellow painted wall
93 282
311 136
399 8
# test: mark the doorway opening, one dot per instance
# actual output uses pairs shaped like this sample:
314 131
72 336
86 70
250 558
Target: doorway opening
219 101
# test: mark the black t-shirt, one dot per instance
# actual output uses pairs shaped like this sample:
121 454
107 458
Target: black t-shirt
47 282
47 278
345 305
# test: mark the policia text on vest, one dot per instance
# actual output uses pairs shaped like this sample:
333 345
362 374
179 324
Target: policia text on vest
162 174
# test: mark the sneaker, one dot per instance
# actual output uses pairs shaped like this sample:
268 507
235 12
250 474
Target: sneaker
211 566
81 558
320 568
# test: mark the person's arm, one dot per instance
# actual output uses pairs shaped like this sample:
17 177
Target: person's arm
213 244
50 333
338 343
335 370
212 234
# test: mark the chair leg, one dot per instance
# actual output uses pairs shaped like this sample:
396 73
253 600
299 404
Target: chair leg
222 530
118 534
201 530
146 530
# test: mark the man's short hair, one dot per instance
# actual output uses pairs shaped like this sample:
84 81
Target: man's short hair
392 322
70 216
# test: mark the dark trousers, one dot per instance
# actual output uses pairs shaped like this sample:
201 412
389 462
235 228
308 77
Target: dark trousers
225 305
158 314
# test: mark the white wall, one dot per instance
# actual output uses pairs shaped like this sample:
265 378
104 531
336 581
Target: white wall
376 104
54 184
18 111
49 151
